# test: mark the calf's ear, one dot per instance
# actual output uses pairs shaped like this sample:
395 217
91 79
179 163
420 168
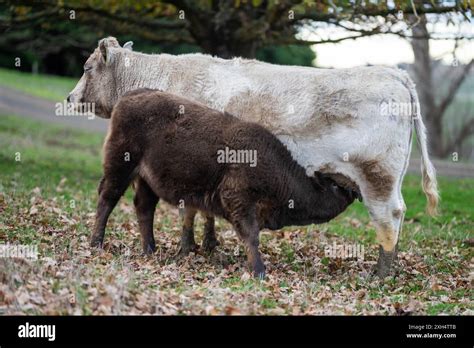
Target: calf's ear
105 46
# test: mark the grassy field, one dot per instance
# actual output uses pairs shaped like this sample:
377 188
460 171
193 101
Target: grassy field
54 88
48 180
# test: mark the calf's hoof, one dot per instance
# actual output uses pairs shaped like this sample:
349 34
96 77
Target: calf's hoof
149 248
186 248
259 276
209 244
384 264
97 242
258 271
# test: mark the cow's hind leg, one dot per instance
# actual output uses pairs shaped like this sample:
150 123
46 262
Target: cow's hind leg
388 215
145 202
398 214
388 219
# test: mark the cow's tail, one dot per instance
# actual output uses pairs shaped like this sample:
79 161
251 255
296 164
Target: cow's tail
429 182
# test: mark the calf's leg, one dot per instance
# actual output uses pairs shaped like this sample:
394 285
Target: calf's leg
241 212
118 173
111 188
210 241
187 236
244 219
188 243
247 229
145 202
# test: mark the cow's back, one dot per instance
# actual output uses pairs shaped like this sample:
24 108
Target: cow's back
298 100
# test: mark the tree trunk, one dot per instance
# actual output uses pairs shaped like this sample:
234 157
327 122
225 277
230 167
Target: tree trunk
227 31
424 81
228 49
237 49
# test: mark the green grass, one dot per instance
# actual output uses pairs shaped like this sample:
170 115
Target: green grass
55 88
45 153
49 154
454 223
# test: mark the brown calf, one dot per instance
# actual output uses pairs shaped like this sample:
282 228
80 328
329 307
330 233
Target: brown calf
184 152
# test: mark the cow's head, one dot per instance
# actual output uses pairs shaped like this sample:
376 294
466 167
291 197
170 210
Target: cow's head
98 84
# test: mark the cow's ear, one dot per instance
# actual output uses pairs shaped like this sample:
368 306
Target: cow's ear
128 45
105 46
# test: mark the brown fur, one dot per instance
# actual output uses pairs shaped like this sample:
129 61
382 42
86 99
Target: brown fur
341 179
173 156
380 179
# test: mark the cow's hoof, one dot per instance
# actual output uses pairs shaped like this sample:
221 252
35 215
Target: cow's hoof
384 264
209 244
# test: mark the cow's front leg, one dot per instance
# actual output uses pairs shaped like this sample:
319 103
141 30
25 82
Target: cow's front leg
188 243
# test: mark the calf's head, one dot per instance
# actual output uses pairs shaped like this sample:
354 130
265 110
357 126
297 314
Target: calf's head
336 193
98 84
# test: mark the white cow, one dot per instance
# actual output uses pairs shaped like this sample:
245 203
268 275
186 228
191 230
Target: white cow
356 122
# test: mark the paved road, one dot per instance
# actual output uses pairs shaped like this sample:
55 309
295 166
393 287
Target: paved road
14 102
444 168
18 103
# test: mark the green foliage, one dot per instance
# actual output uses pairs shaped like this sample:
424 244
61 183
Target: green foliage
287 55
60 45
60 34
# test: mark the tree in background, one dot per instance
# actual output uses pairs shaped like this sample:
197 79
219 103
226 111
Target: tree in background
61 34
430 78
225 28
